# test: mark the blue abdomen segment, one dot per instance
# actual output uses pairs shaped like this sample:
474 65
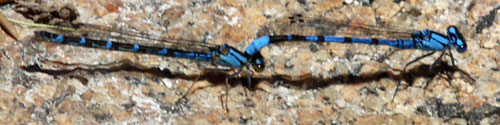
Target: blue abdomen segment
82 41
257 45
109 44
184 55
163 52
58 39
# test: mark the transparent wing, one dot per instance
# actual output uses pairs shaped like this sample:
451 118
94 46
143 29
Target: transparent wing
321 25
120 32
96 32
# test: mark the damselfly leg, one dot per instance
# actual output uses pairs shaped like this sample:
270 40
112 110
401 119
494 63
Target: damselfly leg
451 56
437 60
404 71
403 74
226 86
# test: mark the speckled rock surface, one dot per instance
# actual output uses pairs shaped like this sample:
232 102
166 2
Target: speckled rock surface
303 83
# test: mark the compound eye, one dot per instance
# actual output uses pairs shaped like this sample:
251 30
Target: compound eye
258 62
453 30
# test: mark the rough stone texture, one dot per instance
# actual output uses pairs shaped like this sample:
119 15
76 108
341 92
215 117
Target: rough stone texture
304 83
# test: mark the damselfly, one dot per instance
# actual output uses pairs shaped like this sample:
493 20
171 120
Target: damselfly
93 36
427 40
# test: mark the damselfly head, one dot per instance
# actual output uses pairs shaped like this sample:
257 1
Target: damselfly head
457 37
257 61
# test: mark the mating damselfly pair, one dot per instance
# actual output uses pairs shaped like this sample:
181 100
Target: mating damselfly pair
227 56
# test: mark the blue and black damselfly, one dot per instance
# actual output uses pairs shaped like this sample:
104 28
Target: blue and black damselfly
427 40
93 36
